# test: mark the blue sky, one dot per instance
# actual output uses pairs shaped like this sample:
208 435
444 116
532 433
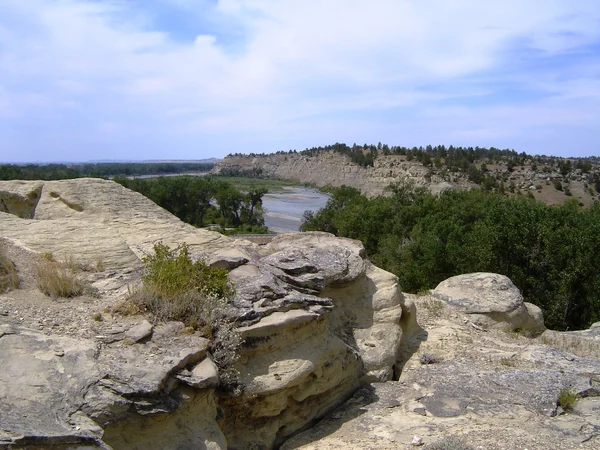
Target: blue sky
88 80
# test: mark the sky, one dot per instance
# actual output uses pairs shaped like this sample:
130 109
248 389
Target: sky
85 80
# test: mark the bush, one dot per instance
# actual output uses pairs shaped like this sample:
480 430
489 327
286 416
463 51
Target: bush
557 185
177 288
172 273
567 398
8 273
57 279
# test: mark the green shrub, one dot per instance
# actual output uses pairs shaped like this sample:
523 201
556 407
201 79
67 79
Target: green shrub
177 288
567 398
171 273
8 273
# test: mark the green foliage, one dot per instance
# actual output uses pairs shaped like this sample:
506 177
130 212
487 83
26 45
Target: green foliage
193 199
550 253
171 273
567 398
98 170
178 288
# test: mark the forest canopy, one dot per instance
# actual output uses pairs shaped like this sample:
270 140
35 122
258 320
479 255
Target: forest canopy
551 253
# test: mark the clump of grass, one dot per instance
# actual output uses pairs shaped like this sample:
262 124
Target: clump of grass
567 398
57 279
571 343
449 443
509 362
434 307
8 273
178 288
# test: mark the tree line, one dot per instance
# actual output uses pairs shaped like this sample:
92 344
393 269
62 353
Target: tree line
96 170
552 253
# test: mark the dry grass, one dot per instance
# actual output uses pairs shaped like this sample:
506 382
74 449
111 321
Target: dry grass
434 307
57 279
577 345
8 273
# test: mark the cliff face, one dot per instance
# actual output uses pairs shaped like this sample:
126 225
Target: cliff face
335 169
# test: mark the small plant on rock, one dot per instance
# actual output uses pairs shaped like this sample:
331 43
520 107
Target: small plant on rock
434 307
567 398
178 288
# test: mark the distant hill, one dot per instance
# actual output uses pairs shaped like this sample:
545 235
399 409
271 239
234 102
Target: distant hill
371 168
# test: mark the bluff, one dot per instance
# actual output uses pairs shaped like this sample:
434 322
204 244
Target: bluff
336 169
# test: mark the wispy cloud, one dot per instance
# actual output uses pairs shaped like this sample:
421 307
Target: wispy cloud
83 79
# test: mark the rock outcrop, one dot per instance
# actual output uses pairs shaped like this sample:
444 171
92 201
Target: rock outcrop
491 300
490 389
317 318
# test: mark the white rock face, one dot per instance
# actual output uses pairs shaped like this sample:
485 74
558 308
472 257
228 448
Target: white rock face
491 300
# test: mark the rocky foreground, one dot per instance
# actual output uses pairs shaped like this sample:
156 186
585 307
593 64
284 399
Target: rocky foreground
327 336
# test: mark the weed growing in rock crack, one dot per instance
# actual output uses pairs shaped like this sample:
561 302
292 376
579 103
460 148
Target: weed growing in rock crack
567 398
429 358
177 288
509 362
8 273
449 443
57 279
434 307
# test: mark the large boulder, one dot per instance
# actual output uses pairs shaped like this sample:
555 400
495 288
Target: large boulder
491 300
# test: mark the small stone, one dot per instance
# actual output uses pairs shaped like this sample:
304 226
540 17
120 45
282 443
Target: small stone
416 441
420 410
140 331
59 353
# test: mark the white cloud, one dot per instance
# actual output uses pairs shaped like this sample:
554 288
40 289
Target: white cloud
332 69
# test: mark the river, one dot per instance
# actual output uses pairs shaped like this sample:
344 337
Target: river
284 210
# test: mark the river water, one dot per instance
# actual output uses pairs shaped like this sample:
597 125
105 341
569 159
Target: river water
284 210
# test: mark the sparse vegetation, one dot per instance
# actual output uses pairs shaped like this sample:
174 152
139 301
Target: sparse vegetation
178 288
508 362
434 307
567 398
58 279
571 343
8 273
449 443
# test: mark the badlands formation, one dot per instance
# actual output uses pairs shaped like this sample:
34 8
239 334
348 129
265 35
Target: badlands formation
334 354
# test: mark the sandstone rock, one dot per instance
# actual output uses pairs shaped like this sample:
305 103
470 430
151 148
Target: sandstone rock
140 331
491 300
317 318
